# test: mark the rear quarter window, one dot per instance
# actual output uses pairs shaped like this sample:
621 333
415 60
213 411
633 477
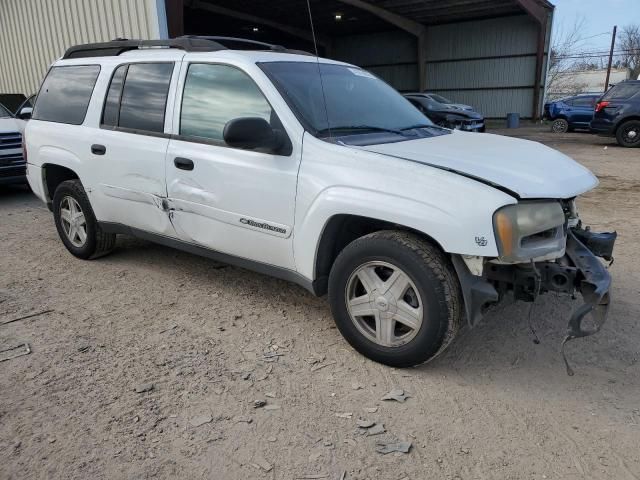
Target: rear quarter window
623 92
65 94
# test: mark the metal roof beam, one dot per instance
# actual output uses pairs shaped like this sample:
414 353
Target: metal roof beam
293 31
403 23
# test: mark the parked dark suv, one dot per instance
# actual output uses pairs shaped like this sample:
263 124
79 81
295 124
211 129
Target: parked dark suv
618 113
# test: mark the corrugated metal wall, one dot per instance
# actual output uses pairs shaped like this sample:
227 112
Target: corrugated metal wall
489 64
34 33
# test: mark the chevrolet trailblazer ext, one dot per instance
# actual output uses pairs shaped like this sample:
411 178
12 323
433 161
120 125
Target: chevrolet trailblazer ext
314 171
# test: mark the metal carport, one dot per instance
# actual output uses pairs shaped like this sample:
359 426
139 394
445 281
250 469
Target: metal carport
488 53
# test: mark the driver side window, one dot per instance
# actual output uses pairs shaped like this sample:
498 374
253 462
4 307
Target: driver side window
215 94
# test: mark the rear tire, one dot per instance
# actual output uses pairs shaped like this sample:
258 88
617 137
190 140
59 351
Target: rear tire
77 224
628 134
395 298
560 125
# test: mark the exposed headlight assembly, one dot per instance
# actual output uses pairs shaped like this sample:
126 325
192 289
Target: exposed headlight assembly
530 230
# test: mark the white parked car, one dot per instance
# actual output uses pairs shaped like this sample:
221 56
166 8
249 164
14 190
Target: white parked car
339 185
12 164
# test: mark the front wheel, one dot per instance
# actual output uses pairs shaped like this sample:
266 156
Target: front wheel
628 134
395 298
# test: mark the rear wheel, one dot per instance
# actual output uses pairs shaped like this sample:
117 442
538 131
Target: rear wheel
395 298
560 125
76 223
628 134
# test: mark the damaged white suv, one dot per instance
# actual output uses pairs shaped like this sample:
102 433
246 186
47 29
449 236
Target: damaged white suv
314 171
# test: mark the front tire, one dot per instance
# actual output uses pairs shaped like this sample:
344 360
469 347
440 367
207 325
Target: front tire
77 224
395 298
628 134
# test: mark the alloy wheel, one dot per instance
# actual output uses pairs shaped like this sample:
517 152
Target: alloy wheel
384 304
74 223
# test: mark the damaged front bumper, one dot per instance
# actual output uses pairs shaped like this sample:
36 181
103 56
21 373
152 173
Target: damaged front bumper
579 270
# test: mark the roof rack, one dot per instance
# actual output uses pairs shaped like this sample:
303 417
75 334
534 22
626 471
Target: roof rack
188 43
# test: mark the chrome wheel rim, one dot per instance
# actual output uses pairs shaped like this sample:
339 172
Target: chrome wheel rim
632 134
73 222
559 127
384 304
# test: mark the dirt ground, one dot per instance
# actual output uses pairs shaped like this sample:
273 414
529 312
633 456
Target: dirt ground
213 339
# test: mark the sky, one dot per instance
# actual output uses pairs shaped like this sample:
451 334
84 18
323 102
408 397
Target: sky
600 16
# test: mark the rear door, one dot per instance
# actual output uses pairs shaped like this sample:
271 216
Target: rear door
235 201
582 110
128 150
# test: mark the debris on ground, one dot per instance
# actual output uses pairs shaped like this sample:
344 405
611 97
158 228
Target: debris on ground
370 409
14 352
389 446
357 386
259 403
396 394
316 476
365 423
24 317
272 439
200 420
262 464
246 376
144 387
169 328
242 419
377 429
321 365
344 415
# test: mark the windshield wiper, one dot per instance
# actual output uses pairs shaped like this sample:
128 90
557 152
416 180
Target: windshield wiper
424 125
361 127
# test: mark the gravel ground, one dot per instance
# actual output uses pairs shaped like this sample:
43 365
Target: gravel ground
206 341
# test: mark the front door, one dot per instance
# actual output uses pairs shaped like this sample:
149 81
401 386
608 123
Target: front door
235 201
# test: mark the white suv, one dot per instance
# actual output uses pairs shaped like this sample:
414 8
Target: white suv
314 171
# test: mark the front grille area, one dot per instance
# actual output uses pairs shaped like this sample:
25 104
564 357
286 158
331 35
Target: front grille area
12 162
11 149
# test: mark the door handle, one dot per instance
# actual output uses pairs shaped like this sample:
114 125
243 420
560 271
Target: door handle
183 163
98 149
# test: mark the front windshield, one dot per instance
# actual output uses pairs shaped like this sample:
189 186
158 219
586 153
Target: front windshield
355 99
4 113
440 98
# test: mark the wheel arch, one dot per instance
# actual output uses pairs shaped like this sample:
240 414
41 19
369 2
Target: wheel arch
52 176
339 231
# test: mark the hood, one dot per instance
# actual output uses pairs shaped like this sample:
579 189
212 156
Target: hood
461 106
10 124
528 169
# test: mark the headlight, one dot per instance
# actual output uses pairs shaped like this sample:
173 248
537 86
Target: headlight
529 230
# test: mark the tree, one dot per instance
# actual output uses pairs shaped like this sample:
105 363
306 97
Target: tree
629 47
562 61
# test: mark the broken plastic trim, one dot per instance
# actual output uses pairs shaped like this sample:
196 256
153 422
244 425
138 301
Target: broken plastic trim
594 289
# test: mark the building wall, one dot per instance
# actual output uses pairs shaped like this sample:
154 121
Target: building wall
489 64
34 33
590 81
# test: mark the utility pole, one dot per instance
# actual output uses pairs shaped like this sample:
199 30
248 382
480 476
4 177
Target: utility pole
613 44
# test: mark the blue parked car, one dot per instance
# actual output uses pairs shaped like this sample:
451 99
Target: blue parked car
571 113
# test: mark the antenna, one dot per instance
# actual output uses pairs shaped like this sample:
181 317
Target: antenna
315 46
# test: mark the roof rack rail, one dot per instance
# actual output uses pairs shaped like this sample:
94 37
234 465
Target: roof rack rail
121 45
188 43
247 43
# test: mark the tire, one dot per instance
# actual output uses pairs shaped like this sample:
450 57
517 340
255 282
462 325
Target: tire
94 242
628 134
433 289
560 125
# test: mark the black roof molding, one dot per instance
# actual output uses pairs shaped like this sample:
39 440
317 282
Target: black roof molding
188 43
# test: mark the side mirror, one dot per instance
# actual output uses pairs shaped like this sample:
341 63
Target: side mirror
252 133
25 113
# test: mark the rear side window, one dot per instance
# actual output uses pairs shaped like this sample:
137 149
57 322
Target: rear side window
65 94
583 102
622 91
137 97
